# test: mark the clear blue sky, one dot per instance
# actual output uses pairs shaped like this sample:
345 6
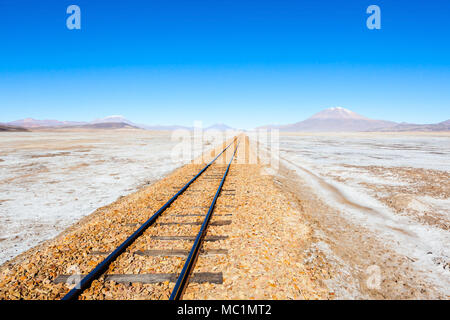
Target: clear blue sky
245 63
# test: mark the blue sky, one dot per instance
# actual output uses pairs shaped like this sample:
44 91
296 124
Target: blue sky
244 63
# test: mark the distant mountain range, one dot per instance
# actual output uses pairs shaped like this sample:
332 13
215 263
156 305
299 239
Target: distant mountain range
219 127
339 119
104 125
335 119
33 123
441 126
110 122
113 122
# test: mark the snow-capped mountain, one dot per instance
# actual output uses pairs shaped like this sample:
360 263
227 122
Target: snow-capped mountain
335 119
338 113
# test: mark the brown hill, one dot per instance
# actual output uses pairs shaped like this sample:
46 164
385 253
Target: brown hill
12 128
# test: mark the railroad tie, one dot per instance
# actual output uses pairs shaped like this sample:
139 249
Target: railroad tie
191 223
179 253
217 206
166 253
198 215
189 238
197 223
201 277
181 279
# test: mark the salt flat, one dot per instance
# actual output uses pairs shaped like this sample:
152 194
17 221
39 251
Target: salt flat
49 180
381 201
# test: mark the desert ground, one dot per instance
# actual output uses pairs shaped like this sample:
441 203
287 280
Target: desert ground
50 180
356 216
379 206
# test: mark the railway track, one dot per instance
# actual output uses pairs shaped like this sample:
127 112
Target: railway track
207 184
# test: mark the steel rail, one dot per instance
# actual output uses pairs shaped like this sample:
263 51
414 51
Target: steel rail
183 278
103 266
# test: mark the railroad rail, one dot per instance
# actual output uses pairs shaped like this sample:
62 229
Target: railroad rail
185 274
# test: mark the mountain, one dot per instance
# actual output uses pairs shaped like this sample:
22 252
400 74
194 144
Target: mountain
339 119
336 119
110 122
401 127
122 119
338 113
219 127
106 125
4 127
33 123
163 127
113 119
